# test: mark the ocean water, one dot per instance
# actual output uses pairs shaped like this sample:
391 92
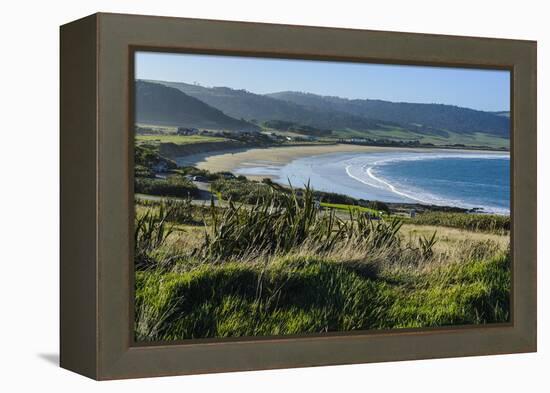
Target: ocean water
447 178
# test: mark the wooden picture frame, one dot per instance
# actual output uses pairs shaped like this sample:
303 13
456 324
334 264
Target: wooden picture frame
97 195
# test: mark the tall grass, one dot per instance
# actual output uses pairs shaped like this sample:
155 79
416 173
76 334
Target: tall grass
150 233
153 228
282 266
297 295
178 210
280 223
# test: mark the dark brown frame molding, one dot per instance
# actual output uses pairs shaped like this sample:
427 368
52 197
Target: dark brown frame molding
97 195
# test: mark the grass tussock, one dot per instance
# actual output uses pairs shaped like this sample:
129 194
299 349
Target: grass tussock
280 223
297 294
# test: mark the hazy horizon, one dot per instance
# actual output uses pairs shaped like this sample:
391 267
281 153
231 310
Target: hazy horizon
486 90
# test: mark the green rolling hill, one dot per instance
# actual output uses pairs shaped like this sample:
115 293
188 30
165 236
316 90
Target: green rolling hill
424 118
344 118
163 105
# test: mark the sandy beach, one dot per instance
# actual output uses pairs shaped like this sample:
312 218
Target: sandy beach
337 168
278 156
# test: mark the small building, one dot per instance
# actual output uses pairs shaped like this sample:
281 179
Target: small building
186 131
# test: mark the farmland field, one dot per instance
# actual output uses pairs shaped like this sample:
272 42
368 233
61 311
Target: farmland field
178 139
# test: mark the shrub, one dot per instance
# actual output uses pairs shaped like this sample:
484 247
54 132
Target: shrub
143 171
175 186
472 222
147 156
193 171
378 206
244 191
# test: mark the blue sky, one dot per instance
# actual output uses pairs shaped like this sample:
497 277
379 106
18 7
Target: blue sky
487 90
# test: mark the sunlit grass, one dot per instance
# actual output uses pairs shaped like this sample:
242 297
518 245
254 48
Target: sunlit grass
179 139
491 223
347 208
296 295
282 266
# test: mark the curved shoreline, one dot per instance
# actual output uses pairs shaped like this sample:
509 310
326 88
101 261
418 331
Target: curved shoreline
232 159
259 163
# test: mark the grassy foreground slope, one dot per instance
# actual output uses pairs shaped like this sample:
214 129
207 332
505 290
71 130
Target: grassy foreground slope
294 295
282 266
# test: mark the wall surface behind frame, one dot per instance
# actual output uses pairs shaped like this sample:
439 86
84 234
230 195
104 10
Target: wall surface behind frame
30 192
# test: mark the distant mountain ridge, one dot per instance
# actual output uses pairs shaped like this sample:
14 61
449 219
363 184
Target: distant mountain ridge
354 117
251 106
163 105
423 116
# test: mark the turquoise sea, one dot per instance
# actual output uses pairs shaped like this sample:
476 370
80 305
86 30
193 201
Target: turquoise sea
463 179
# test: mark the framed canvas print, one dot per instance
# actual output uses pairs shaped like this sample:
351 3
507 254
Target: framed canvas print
240 196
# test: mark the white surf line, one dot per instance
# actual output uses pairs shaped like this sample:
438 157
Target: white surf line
392 188
359 179
436 201
444 202
421 158
388 185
